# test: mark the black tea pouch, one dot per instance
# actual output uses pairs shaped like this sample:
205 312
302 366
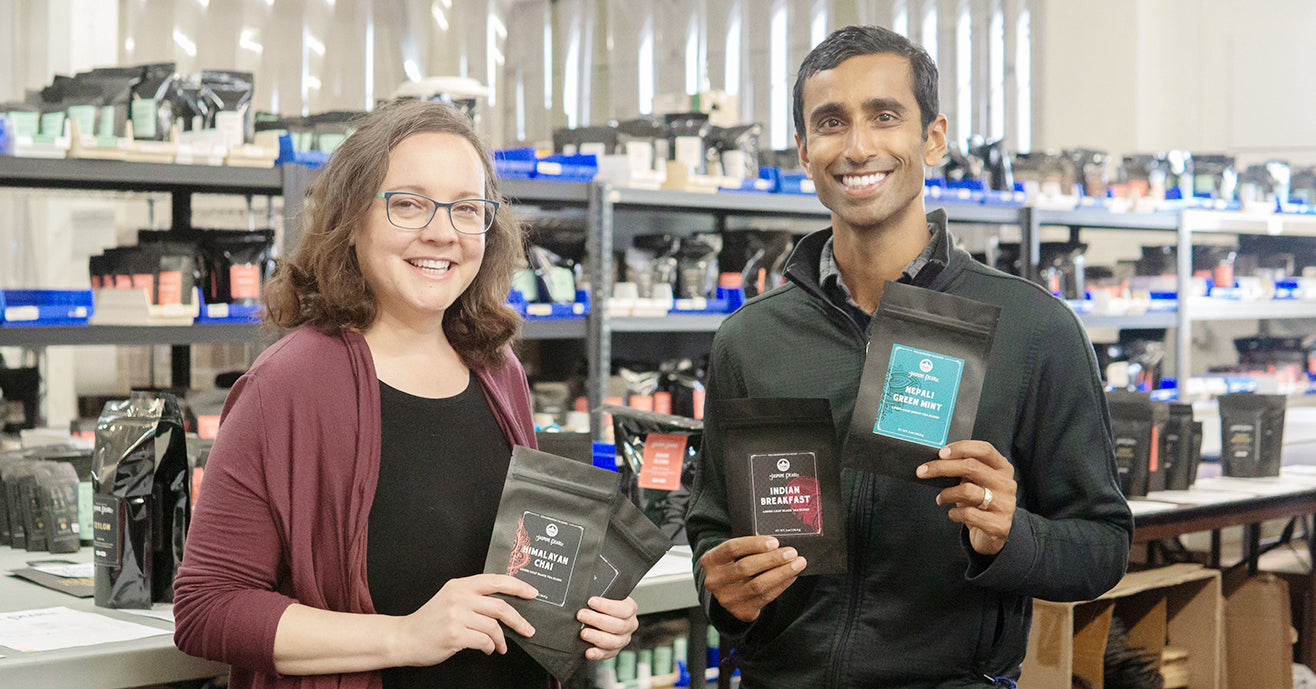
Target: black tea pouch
34 513
551 523
1251 434
57 493
922 378
141 507
632 547
783 480
1178 448
13 473
657 453
1136 436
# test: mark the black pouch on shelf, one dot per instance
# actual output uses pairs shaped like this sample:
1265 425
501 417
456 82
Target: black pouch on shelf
783 480
57 495
657 467
238 264
1251 434
153 96
632 547
551 523
1157 476
80 460
922 378
141 504
177 272
1178 448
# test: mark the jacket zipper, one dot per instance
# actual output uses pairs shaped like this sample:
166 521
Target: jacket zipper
862 495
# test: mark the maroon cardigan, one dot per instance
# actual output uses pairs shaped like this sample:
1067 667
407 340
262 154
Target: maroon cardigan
288 489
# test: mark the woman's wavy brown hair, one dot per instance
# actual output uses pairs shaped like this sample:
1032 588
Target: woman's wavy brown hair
321 285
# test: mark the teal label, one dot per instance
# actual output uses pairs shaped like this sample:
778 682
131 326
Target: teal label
143 117
918 397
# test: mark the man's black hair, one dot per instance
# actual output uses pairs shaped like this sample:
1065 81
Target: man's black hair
853 41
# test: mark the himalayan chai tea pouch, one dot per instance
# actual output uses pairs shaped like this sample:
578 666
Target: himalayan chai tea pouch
779 456
922 378
550 527
1251 434
141 506
632 547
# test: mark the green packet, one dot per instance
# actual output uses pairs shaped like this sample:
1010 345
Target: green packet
923 376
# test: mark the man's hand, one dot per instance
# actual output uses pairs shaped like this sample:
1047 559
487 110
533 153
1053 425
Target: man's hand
746 573
982 472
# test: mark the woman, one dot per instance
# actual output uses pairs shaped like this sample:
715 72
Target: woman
351 492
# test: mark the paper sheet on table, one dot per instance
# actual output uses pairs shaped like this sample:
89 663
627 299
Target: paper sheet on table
1256 486
48 629
1196 496
1149 506
159 611
86 569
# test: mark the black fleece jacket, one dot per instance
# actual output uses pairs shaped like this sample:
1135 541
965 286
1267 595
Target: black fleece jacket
918 608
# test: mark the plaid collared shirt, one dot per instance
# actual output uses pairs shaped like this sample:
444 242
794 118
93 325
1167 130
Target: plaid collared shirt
920 271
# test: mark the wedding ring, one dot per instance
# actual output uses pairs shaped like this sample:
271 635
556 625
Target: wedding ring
986 498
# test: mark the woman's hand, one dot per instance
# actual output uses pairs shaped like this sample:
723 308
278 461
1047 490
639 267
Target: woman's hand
608 626
462 615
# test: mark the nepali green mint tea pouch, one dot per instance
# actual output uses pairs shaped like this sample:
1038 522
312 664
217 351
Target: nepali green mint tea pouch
922 379
551 523
1181 447
632 547
779 458
141 506
658 458
1251 434
1135 425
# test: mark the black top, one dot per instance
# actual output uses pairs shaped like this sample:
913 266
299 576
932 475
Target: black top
441 470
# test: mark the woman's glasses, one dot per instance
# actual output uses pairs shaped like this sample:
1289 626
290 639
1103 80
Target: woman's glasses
410 211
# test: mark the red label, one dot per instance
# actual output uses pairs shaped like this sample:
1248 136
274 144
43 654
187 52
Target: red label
1155 447
663 455
244 281
95 282
171 287
123 282
207 425
662 402
197 473
145 281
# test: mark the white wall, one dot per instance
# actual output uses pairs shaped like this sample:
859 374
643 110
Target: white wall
1205 75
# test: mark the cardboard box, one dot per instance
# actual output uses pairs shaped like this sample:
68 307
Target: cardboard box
1259 634
1179 606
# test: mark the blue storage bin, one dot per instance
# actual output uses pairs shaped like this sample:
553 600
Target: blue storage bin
529 311
35 307
728 299
515 163
289 154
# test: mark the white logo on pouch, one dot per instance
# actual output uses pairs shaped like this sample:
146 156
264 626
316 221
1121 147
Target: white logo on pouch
783 464
925 365
551 530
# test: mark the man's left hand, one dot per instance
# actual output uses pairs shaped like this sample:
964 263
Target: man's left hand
984 498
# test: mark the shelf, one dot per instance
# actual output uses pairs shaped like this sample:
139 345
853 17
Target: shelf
206 333
701 323
536 191
118 175
1237 222
1102 218
553 330
1207 309
1132 321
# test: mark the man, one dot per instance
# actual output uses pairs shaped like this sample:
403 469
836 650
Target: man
940 583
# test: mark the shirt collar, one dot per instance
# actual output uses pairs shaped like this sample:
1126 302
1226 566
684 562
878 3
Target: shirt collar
920 272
